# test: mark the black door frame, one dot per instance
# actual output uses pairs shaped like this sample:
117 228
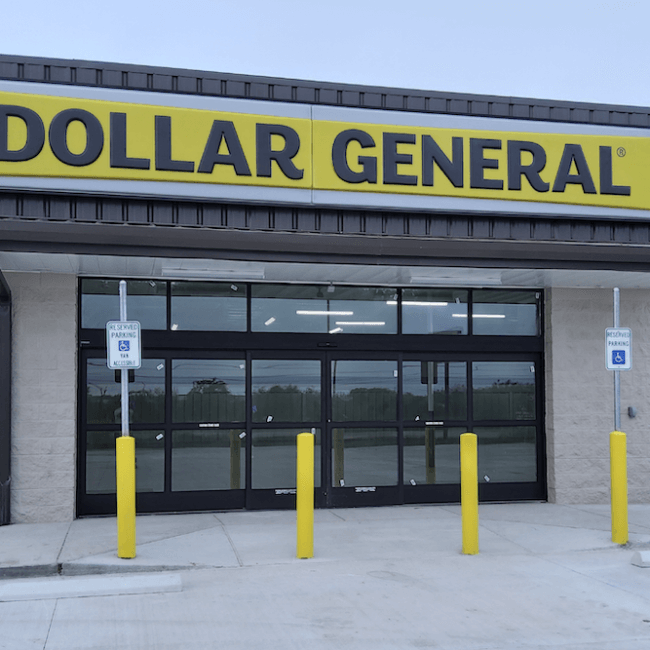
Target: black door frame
327 494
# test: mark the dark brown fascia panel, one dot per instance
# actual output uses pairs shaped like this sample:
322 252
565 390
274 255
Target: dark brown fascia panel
180 242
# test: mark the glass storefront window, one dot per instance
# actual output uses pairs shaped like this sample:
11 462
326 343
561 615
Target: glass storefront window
431 455
274 458
215 414
507 454
364 390
323 309
147 303
434 311
316 309
208 306
146 393
503 390
434 389
286 390
208 459
505 313
208 390
364 457
149 461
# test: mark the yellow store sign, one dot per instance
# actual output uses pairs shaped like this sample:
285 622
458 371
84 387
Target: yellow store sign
65 137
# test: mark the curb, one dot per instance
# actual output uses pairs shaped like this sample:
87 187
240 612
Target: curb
72 569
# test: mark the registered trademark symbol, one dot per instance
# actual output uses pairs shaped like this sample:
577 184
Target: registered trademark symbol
620 152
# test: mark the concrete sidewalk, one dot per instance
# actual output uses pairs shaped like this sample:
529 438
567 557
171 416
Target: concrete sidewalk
547 577
232 539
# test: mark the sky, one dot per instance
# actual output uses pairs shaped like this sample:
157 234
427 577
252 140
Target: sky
576 50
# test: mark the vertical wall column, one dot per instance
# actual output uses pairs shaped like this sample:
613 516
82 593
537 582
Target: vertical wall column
43 396
5 401
580 395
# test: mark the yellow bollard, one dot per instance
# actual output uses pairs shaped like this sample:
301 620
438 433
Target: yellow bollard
618 462
305 496
125 476
469 492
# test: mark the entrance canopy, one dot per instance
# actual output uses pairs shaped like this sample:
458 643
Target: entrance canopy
319 273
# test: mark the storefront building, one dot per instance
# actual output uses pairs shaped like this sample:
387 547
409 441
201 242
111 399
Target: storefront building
385 268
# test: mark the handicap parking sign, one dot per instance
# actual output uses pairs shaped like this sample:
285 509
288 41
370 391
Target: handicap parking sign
618 343
123 345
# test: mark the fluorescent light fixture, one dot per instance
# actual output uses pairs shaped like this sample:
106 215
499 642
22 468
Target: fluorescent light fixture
336 330
270 321
467 277
307 312
369 323
480 315
418 303
174 327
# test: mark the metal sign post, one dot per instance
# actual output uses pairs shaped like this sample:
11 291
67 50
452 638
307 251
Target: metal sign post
124 373
617 373
618 351
618 355
123 353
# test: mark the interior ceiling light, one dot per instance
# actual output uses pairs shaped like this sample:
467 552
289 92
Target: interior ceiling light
307 312
270 321
418 303
336 330
480 315
370 323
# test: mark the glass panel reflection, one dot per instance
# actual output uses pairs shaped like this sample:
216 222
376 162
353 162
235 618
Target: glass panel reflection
208 306
505 313
208 390
147 303
364 390
364 457
210 459
322 309
146 393
434 311
507 454
504 390
434 389
274 458
149 461
432 455
286 390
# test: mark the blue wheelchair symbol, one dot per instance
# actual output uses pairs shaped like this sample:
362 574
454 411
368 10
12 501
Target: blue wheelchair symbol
124 346
618 357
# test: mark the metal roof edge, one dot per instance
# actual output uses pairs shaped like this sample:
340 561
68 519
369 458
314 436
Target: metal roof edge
39 69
